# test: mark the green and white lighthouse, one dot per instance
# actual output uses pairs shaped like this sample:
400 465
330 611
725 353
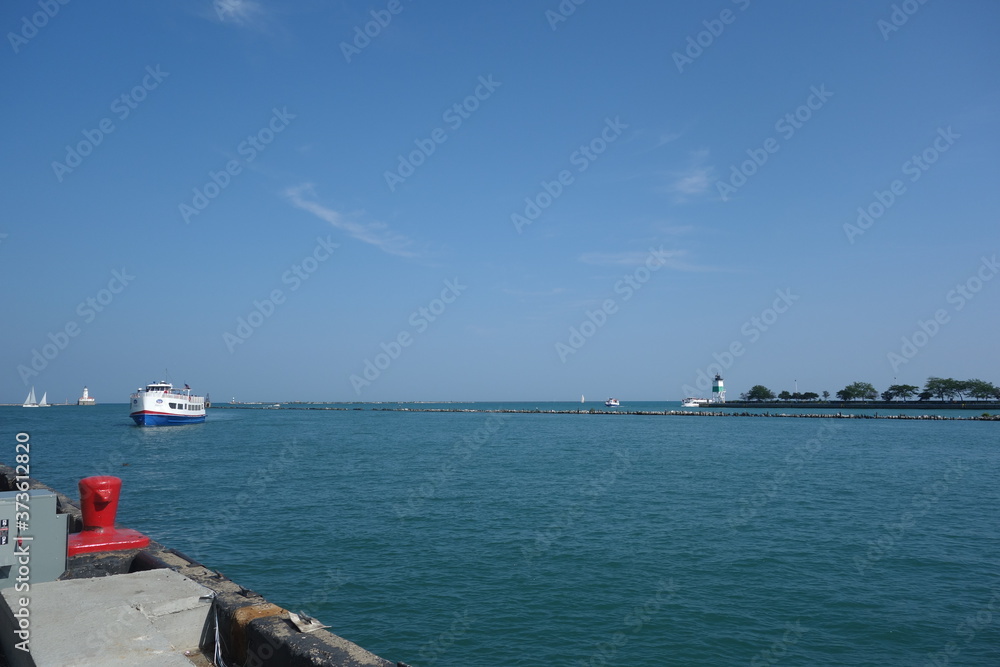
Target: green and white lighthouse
718 390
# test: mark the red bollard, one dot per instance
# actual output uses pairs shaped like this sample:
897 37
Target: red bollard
99 504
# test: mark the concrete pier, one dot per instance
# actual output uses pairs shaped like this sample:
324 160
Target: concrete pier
156 606
154 618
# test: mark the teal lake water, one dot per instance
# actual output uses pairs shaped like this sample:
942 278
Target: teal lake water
440 538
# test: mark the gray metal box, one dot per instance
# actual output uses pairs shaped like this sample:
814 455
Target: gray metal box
46 548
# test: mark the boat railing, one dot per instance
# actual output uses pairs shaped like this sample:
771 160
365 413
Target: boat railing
173 393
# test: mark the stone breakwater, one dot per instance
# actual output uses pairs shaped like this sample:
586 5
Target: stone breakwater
673 413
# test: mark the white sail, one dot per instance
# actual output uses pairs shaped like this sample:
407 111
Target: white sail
30 401
42 403
582 399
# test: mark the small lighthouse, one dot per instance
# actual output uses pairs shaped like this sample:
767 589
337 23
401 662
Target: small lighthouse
86 399
718 390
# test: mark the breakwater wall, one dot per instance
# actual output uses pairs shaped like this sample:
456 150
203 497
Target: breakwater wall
675 413
252 631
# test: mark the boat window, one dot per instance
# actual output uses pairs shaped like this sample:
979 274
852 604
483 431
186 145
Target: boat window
172 405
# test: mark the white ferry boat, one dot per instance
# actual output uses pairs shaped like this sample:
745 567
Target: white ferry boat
612 403
159 404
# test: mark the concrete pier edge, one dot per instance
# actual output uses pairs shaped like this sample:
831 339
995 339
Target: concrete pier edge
253 632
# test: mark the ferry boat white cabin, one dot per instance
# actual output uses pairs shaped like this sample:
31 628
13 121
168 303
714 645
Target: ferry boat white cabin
159 404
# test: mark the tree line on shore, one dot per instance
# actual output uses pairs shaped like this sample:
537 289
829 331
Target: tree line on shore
942 389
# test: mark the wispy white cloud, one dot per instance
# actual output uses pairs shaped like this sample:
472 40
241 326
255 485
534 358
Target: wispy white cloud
670 259
244 13
650 140
629 258
668 229
693 181
666 137
377 234
555 291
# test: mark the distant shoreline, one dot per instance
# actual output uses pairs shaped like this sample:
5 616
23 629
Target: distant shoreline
861 405
756 405
677 413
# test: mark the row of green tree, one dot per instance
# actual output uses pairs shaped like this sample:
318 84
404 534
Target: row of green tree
942 389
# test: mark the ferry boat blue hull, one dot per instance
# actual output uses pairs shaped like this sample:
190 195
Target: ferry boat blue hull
146 418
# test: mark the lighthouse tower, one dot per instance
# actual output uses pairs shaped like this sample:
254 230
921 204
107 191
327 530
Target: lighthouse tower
718 390
86 399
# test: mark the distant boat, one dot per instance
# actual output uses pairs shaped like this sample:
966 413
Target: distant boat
582 399
159 404
30 401
612 403
692 402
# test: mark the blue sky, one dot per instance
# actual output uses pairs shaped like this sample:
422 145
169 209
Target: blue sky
497 201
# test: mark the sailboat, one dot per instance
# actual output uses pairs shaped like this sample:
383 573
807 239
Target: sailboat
582 400
42 403
30 402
